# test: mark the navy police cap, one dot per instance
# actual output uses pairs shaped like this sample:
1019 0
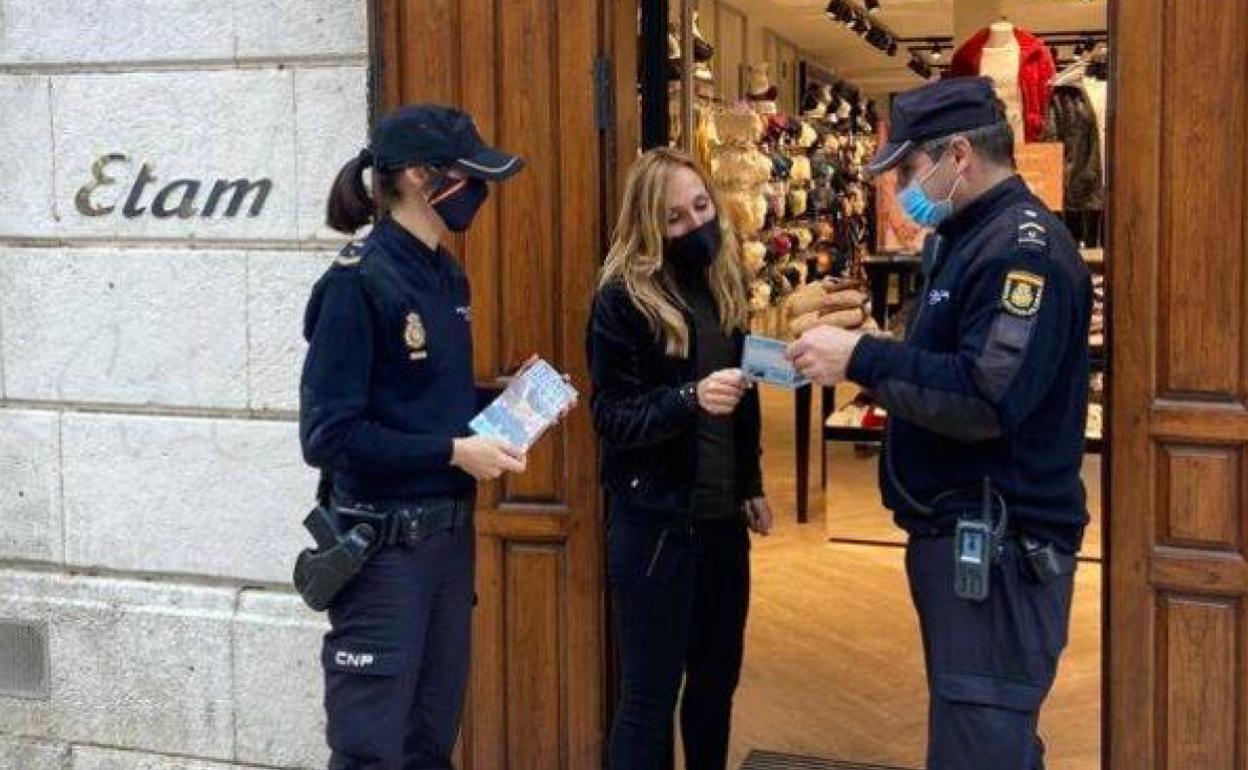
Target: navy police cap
443 137
934 111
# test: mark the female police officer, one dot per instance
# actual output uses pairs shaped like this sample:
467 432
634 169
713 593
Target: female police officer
680 457
386 397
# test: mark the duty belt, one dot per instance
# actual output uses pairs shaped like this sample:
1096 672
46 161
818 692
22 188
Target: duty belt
410 524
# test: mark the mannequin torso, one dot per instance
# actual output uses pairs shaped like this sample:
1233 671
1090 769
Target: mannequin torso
1002 59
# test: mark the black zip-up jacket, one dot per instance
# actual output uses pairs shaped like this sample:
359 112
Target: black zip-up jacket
646 413
992 380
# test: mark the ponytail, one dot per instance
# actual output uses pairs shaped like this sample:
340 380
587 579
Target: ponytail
350 204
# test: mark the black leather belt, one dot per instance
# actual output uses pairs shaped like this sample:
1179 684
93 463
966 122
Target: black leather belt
409 524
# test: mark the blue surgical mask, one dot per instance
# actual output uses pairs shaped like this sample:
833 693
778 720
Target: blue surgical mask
921 209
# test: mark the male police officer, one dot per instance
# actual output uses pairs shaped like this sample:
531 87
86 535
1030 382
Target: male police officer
987 400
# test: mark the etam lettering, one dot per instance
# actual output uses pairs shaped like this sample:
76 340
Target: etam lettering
353 659
178 198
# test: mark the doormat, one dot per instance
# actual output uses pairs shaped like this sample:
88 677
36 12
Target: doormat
771 760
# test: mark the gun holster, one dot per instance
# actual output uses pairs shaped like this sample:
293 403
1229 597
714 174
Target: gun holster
321 573
1044 562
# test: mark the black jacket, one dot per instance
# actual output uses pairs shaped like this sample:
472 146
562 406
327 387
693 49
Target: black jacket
647 427
992 379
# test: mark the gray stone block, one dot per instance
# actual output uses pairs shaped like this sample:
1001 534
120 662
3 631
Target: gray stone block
280 720
30 485
22 754
71 31
125 326
332 110
271 28
222 498
26 163
278 288
208 127
92 758
133 664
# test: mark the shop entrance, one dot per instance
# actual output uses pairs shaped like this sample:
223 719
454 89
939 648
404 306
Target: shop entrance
834 674
1154 673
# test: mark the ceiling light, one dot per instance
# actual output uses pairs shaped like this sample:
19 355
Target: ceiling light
937 55
873 6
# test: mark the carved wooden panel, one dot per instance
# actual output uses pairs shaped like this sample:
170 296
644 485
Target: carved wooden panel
1200 711
1200 494
1204 117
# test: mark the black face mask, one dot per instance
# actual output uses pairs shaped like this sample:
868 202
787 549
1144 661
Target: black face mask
457 201
696 249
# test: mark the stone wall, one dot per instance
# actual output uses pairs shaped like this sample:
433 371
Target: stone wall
151 485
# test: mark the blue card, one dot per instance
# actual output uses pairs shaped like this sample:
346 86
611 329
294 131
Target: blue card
763 361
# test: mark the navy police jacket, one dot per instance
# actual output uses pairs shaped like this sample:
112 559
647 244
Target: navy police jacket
992 380
388 383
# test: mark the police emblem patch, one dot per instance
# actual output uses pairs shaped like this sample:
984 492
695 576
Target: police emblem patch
414 337
1022 294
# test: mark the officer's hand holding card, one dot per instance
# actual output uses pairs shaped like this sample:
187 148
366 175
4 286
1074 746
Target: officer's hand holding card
823 353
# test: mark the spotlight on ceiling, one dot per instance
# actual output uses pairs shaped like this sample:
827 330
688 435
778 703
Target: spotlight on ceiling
937 55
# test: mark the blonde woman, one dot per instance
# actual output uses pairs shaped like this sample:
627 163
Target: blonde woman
679 427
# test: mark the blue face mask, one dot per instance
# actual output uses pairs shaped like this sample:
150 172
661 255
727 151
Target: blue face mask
921 209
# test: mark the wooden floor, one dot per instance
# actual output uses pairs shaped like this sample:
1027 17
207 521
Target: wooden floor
833 665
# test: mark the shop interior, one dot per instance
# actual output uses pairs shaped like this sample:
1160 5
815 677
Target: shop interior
785 100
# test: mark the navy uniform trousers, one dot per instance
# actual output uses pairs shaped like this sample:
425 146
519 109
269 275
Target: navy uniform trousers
396 657
991 664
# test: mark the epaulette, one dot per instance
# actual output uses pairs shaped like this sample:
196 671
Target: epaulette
350 255
1033 235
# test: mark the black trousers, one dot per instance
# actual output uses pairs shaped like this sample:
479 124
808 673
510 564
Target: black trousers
680 600
991 664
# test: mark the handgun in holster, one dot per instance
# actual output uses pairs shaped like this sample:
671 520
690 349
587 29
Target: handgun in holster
321 573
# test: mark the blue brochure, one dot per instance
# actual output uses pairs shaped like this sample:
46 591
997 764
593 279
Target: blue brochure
764 361
527 408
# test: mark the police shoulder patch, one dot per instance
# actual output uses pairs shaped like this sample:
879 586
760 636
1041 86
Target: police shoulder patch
1022 293
350 255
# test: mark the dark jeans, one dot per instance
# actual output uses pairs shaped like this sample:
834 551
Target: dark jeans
396 659
680 601
990 665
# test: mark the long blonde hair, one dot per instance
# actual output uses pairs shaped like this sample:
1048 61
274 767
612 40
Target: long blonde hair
636 254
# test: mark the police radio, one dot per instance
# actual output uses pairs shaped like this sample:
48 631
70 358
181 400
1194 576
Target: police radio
976 544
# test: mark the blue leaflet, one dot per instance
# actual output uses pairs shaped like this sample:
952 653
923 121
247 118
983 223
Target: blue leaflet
527 408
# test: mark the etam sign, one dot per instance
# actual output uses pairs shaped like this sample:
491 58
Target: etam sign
145 194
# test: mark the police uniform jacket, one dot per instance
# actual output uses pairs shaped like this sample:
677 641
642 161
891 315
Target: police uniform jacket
388 383
992 380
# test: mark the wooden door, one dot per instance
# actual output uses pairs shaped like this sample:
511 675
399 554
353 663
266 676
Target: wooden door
1178 621
525 70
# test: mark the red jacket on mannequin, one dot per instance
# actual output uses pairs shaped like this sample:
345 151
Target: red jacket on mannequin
1034 73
